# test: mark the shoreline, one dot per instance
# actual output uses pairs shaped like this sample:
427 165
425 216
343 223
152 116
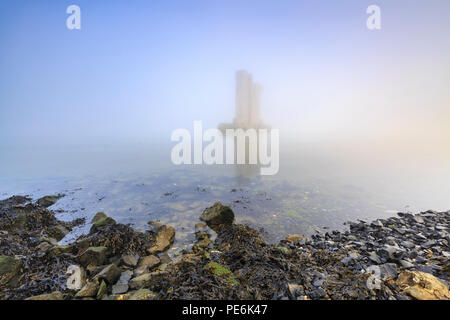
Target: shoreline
387 259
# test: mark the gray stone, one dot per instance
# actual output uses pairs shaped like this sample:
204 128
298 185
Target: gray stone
130 259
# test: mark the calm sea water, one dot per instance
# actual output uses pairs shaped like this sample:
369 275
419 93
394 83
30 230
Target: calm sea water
317 187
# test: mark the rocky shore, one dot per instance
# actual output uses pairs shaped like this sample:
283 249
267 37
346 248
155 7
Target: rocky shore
399 258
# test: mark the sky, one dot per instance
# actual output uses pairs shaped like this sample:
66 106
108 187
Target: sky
136 71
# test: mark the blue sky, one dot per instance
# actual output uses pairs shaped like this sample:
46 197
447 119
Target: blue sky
138 70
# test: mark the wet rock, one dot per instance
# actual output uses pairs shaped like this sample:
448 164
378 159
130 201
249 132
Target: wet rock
100 221
422 286
165 235
75 277
217 216
56 295
110 274
48 201
93 255
58 232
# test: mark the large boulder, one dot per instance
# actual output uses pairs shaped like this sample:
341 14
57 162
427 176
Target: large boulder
217 216
422 286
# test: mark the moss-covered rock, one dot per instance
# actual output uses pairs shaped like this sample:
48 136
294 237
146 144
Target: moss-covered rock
217 269
100 221
102 290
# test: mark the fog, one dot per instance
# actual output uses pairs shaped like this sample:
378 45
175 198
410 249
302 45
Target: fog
363 107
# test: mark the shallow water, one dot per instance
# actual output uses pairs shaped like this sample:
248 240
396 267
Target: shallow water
314 190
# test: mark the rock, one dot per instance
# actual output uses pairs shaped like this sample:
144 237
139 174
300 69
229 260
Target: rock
217 216
56 295
58 232
9 268
75 277
122 284
418 219
406 264
200 226
215 255
408 244
143 294
93 255
165 258
422 286
389 252
147 263
48 201
165 235
100 221
317 293
318 283
293 288
383 271
63 248
110 274
374 257
44 246
90 289
130 259
102 290
294 238
147 280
